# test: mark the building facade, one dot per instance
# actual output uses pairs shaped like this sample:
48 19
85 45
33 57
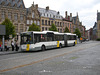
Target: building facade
49 17
67 22
23 17
77 24
95 31
32 16
16 12
98 24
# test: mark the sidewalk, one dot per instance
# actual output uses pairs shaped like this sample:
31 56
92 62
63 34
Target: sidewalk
9 52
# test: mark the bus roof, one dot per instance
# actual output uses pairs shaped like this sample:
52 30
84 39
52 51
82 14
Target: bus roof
44 32
70 34
58 33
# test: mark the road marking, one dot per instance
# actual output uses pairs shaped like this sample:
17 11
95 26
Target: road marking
43 60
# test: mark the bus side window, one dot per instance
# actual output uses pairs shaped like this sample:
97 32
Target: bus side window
43 38
68 37
37 38
49 39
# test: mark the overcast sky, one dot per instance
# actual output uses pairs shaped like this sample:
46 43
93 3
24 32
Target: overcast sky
87 9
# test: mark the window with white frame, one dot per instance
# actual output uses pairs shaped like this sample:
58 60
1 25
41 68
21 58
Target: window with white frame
35 22
9 15
27 28
3 14
27 21
16 16
21 17
38 22
32 15
31 21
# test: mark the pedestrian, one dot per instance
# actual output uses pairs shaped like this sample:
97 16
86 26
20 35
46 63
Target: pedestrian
16 45
6 48
81 39
0 47
12 45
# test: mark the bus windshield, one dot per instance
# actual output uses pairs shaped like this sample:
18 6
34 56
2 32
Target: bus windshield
27 38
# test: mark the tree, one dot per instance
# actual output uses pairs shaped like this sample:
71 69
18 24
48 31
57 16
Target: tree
53 28
66 30
34 27
10 28
77 32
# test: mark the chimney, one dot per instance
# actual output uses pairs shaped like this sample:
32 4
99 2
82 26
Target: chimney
36 6
77 14
58 12
33 4
97 11
66 14
47 8
70 14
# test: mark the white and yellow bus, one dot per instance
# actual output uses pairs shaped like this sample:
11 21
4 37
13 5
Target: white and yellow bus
33 41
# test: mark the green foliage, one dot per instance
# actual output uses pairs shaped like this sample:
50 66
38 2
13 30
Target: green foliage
66 30
34 27
53 28
77 32
10 28
98 39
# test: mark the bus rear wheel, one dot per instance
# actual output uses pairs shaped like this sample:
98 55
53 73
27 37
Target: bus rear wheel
74 44
43 48
60 46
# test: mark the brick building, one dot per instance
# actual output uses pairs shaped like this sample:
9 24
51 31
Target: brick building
32 16
67 21
77 24
23 17
49 17
16 12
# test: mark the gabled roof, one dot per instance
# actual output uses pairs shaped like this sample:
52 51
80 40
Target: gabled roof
95 25
50 13
74 19
98 16
13 3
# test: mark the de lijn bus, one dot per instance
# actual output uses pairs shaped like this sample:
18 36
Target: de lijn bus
33 41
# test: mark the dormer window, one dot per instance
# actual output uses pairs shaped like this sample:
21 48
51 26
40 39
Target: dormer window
19 1
21 6
53 16
7 0
3 3
32 15
9 4
50 15
13 0
15 5
47 15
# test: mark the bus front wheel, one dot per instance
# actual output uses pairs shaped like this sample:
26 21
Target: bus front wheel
43 48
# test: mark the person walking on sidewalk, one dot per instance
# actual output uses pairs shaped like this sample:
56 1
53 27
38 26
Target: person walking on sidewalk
6 48
12 45
0 47
16 45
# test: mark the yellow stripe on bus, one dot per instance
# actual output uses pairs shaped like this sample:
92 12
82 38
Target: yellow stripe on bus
28 46
57 43
75 41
